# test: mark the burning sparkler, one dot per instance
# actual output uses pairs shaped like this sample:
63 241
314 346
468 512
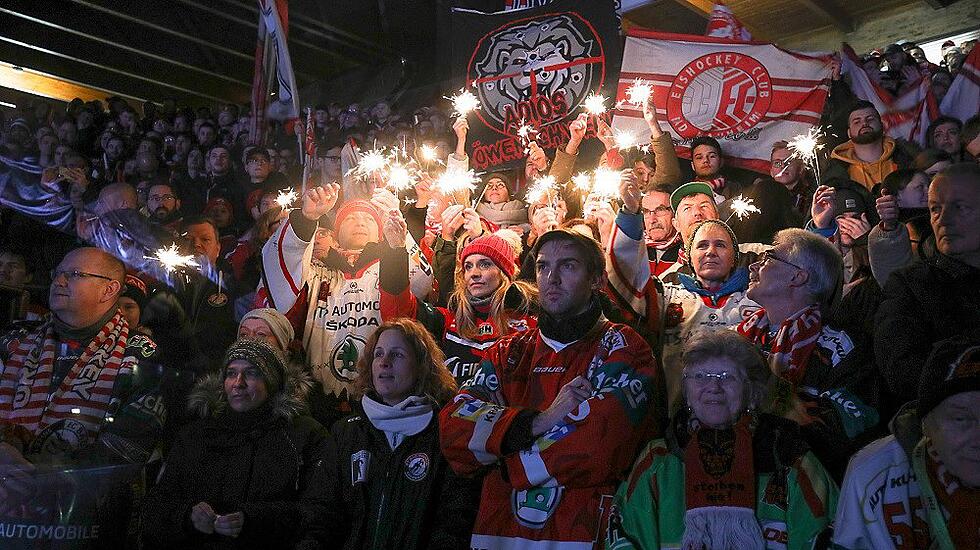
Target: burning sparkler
171 258
805 147
595 104
286 197
605 184
464 102
582 182
428 153
542 189
624 139
453 182
399 178
742 207
638 93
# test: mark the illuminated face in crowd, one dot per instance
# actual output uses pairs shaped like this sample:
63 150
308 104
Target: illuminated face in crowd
864 126
481 275
691 210
658 218
783 169
706 161
563 277
245 387
393 370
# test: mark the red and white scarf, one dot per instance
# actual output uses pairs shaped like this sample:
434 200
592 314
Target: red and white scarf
959 501
666 243
793 343
85 393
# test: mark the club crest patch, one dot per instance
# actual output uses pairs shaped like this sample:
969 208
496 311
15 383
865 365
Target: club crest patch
417 466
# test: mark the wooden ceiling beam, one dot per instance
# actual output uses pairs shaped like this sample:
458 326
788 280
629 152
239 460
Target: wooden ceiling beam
833 13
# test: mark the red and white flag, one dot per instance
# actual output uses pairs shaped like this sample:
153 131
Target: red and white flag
963 98
722 23
746 95
273 70
906 116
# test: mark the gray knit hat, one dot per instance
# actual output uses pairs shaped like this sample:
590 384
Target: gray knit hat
270 362
281 328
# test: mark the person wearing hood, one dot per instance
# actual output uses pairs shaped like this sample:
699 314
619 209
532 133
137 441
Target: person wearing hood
499 207
725 475
486 302
920 486
386 476
241 476
869 155
903 197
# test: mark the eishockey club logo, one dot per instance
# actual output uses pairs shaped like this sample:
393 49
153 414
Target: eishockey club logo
536 70
719 94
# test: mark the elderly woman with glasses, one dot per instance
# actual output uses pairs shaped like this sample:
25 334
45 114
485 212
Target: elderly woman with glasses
725 475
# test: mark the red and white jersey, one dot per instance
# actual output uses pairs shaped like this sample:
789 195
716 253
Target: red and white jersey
343 303
880 503
558 492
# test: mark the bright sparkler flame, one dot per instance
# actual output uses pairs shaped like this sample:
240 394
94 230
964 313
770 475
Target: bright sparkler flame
399 178
372 161
428 152
595 104
171 258
582 182
286 197
624 139
639 93
742 207
805 147
464 102
454 181
540 190
605 184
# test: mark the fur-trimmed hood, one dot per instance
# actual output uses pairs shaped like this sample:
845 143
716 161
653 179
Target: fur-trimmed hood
208 396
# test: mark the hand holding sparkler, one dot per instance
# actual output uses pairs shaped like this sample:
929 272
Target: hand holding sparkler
629 192
577 133
395 229
605 134
464 102
460 127
319 200
822 209
452 221
472 223
544 219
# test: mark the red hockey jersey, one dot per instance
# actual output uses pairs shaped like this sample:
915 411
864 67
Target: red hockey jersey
557 493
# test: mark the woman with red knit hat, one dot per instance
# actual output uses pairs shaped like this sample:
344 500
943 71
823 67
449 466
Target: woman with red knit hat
488 301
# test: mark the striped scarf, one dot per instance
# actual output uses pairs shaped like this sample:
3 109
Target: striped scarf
790 348
84 394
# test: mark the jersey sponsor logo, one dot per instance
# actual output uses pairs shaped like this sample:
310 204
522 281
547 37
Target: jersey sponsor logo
359 463
613 340
534 507
144 345
352 288
719 94
553 436
481 378
844 400
151 405
343 359
474 411
837 342
417 466
461 370
517 325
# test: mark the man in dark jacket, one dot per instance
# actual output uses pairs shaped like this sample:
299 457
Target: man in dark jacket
939 297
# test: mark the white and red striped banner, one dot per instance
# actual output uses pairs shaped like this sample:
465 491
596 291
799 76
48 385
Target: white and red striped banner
273 70
904 117
963 98
746 95
722 23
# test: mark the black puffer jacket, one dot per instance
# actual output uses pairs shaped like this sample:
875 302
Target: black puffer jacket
403 499
260 463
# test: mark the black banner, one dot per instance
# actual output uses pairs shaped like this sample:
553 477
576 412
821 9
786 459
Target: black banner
534 67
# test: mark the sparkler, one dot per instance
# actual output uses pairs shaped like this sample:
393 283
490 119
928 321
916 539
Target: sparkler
805 147
638 93
399 178
742 207
464 102
171 258
595 104
582 182
286 197
428 153
452 182
605 184
542 188
624 139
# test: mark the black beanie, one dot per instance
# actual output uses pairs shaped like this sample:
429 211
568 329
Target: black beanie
953 367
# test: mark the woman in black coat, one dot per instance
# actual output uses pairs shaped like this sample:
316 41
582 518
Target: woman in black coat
386 477
239 477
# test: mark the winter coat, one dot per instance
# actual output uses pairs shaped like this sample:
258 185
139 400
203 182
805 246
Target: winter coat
924 303
505 214
402 499
795 497
261 462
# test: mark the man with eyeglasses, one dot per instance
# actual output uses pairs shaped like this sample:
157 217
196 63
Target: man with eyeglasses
77 387
827 381
164 206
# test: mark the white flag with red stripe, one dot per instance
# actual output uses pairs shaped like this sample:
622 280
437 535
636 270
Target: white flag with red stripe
746 95
722 23
906 116
963 98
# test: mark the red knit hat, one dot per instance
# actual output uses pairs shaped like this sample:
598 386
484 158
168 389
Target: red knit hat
350 207
497 249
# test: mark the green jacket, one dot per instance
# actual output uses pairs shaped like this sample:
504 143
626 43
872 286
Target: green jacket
796 498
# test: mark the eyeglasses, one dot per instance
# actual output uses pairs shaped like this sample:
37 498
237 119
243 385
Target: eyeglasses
161 198
658 211
260 162
769 255
74 275
724 378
